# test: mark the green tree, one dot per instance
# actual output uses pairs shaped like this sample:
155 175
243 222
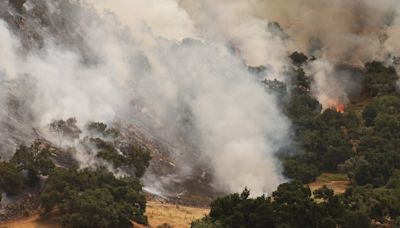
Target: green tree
356 219
34 160
67 129
369 115
131 158
99 128
240 211
298 58
297 169
379 79
137 158
11 179
394 181
301 82
294 206
94 198
291 205
276 86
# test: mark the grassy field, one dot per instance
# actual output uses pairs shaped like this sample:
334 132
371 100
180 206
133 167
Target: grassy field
329 177
158 213
175 215
335 181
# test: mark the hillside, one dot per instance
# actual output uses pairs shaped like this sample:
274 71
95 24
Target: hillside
186 113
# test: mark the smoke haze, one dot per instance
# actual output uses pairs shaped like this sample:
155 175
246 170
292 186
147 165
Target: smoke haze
178 68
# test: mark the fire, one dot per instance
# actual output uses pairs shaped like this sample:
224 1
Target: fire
340 107
337 105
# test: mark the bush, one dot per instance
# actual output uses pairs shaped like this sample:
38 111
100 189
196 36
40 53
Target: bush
296 170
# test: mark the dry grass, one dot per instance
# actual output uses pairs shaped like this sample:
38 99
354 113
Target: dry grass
175 215
337 182
33 221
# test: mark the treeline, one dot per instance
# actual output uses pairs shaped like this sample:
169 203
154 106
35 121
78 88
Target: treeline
91 197
292 205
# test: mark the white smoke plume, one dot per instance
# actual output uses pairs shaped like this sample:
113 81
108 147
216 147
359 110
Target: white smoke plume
228 22
191 93
234 21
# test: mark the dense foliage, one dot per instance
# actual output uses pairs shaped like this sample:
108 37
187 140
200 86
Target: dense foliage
25 168
34 161
11 179
291 205
94 198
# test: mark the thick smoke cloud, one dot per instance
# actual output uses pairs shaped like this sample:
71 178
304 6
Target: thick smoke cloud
229 22
337 32
191 93
341 31
235 22
163 17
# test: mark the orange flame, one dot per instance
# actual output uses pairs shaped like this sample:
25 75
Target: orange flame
340 107
336 105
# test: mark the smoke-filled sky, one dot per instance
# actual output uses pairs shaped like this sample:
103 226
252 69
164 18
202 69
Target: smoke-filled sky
336 32
179 69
